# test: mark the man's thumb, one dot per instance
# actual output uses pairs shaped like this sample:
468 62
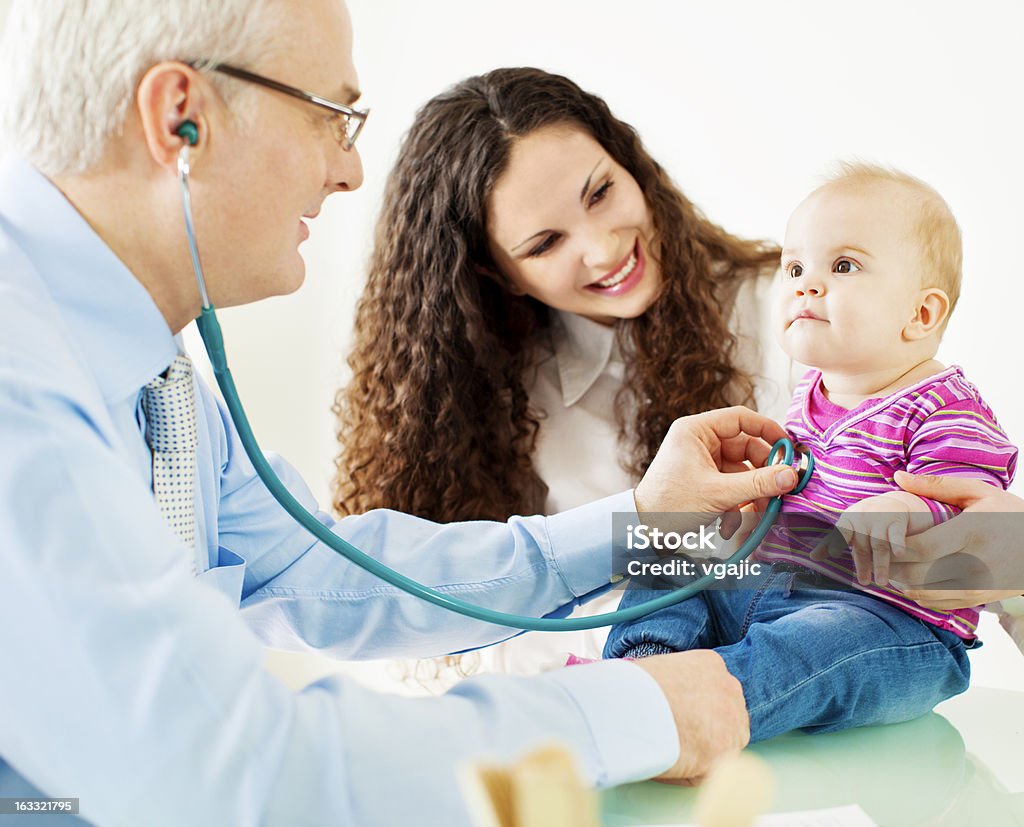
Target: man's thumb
761 482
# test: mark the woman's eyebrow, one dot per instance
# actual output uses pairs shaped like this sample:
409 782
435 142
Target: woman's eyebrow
586 184
583 195
531 238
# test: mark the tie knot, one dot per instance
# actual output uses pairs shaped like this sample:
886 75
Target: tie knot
170 408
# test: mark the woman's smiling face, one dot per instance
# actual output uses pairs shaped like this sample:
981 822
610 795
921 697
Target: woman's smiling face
570 227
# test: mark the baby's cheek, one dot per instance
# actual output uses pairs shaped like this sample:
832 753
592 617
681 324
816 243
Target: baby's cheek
778 318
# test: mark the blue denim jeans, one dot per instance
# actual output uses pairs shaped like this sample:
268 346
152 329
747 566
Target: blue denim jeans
809 655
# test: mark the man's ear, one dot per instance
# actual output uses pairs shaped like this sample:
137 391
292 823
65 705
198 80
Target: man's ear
169 94
931 311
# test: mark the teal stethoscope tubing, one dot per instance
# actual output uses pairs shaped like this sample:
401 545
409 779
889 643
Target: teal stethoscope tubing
213 339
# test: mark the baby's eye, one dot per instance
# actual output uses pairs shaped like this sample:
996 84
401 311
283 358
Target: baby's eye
795 271
844 265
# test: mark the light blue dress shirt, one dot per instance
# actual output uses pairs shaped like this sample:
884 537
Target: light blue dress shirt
141 690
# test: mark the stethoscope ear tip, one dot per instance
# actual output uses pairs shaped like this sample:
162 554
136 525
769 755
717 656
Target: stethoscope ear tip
189 131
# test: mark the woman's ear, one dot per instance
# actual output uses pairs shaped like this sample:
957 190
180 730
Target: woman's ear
497 278
932 310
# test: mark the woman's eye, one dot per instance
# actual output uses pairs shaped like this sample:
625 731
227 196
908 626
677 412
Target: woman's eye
844 265
795 271
543 247
601 192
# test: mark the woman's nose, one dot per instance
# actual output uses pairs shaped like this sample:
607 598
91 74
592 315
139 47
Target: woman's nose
601 251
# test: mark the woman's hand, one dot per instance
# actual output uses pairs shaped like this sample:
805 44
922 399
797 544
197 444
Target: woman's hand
703 465
971 559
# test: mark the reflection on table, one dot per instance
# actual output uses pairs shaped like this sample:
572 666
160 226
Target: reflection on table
959 766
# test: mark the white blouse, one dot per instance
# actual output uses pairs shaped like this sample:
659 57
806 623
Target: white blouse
578 453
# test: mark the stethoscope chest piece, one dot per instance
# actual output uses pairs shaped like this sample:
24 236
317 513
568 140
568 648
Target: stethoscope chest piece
798 456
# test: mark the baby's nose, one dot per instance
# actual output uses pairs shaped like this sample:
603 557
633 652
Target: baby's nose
810 289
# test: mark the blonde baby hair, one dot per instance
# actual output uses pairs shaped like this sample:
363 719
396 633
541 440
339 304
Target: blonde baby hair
936 230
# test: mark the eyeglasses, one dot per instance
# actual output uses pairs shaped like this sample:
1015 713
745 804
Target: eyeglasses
347 122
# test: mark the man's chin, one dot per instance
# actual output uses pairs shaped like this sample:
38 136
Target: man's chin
280 284
287 279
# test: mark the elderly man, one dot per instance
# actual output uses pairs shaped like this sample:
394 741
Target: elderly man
130 680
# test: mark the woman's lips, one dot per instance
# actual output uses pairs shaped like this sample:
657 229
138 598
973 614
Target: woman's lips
625 277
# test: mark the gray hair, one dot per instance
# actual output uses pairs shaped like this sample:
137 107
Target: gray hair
71 67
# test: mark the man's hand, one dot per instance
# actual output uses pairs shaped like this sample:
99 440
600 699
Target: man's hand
704 464
708 706
971 559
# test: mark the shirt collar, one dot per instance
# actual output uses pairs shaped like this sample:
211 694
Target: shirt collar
583 348
112 320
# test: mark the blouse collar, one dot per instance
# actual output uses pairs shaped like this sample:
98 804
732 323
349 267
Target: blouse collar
583 349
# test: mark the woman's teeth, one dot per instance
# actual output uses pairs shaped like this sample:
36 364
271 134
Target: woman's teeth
611 281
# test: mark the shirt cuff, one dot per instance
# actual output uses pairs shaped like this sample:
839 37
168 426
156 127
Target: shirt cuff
629 718
581 541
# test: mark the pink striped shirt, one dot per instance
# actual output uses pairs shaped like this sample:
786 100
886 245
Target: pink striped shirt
940 426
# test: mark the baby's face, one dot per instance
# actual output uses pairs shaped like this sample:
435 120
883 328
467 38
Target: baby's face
850 278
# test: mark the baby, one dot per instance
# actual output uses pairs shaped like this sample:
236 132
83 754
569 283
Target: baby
821 640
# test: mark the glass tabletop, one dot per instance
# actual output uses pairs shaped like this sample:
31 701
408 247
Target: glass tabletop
958 766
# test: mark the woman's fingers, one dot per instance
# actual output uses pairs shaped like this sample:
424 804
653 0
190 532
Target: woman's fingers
956 491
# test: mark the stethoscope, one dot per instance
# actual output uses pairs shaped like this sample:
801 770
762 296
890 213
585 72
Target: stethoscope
213 339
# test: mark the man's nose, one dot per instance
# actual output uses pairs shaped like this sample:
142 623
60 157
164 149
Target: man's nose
347 172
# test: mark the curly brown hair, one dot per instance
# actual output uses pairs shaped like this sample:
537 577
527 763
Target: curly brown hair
436 420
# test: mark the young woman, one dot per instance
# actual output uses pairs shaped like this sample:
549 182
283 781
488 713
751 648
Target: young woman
542 303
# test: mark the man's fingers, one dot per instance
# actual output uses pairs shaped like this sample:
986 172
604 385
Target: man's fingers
731 422
730 522
749 486
745 448
750 516
952 490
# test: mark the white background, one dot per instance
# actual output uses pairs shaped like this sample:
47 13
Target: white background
745 103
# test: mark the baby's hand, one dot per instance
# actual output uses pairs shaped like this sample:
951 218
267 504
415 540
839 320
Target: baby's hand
875 530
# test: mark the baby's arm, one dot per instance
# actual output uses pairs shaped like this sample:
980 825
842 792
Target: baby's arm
876 528
962 439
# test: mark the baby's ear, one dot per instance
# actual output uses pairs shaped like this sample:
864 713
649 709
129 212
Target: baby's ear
930 313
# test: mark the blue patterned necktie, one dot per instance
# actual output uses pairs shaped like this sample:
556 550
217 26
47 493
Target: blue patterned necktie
171 431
